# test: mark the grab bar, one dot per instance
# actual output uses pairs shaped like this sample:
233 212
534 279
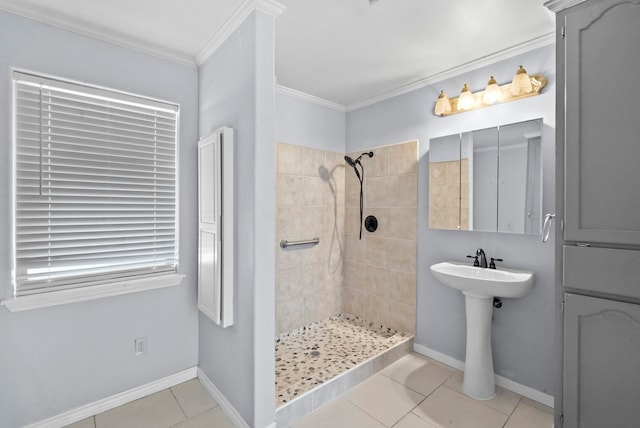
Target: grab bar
284 243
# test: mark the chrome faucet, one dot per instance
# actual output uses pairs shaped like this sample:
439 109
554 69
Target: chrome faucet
483 258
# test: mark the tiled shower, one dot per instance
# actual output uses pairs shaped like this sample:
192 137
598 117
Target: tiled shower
345 307
373 278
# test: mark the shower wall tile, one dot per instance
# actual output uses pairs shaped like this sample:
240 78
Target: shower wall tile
334 174
313 279
376 309
290 190
402 317
290 314
404 191
313 220
312 161
290 221
354 276
314 191
377 281
352 220
354 302
310 197
402 255
334 221
286 258
378 165
315 253
401 223
289 281
288 159
379 192
380 270
354 251
402 158
402 287
376 251
352 188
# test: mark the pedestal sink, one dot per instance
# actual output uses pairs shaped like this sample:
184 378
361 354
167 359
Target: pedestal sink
480 286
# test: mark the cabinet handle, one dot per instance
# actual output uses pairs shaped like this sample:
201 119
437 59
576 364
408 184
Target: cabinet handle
546 226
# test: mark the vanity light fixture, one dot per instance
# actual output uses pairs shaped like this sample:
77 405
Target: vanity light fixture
523 85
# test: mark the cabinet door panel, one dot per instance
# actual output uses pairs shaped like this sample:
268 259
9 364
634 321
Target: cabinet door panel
602 123
601 363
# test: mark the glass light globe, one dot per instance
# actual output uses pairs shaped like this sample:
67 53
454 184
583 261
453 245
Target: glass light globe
521 83
443 106
492 93
466 99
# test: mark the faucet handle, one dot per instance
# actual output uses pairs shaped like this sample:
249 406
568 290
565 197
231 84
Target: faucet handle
475 261
492 265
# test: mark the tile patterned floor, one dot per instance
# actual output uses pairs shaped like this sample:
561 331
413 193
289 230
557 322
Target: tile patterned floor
413 392
313 354
417 392
187 405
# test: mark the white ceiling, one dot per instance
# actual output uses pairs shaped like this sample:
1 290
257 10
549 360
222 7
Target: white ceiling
344 51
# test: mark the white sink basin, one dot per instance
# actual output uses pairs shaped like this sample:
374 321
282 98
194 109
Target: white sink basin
483 282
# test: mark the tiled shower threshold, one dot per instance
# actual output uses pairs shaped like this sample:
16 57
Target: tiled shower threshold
320 361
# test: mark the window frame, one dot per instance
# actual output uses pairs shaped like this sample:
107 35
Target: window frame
141 282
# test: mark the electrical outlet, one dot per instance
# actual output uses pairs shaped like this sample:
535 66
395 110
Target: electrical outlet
141 345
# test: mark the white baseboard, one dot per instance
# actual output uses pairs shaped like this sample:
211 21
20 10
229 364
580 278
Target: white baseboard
525 391
116 400
236 419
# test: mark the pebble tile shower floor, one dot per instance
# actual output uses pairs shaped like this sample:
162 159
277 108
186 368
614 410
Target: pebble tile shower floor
312 355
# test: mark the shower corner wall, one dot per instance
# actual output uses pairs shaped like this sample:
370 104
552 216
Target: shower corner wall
380 270
309 203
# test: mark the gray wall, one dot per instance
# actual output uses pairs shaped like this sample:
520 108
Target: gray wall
58 358
523 330
237 90
310 125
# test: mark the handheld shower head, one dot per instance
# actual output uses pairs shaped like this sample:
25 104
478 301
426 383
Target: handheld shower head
350 161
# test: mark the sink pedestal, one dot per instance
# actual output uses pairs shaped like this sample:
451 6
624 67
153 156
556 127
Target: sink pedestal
479 378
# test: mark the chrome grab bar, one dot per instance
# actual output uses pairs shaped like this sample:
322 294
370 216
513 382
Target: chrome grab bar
284 243
546 227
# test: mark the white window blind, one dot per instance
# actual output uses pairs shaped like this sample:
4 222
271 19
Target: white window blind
95 186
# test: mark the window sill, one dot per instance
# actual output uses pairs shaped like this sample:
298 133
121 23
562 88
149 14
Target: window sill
61 297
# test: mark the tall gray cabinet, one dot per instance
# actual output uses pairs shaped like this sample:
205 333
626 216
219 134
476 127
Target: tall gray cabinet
598 201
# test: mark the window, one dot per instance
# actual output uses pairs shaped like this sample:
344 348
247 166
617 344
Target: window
95 187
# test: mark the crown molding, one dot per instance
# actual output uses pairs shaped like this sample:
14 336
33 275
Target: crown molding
99 33
560 5
270 7
310 98
234 21
475 64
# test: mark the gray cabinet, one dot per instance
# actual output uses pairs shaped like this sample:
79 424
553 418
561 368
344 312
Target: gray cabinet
598 200
602 122
601 363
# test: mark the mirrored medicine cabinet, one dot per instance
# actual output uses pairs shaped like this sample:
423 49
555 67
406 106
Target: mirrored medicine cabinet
487 180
